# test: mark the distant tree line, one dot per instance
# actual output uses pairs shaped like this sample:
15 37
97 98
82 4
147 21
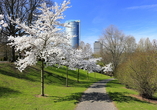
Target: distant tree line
134 64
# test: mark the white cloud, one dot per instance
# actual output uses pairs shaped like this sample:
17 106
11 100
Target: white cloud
143 6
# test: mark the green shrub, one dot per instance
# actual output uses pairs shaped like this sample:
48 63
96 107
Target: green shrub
140 72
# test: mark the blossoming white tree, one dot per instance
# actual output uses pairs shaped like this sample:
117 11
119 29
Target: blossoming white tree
108 69
84 60
45 39
83 53
69 60
74 60
91 65
2 23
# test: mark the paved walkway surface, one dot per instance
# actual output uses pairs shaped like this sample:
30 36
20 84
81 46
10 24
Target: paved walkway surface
96 98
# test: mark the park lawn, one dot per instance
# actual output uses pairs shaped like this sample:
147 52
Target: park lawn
20 91
122 99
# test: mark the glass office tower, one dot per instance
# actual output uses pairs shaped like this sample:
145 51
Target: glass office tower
74 30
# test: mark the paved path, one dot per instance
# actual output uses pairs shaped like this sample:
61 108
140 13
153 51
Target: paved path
95 98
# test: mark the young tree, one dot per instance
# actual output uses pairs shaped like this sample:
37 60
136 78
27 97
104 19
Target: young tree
44 40
84 54
69 60
78 62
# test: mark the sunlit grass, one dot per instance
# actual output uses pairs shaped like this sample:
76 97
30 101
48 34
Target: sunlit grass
20 91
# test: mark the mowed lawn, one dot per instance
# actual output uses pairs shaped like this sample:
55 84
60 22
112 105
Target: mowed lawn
124 101
20 91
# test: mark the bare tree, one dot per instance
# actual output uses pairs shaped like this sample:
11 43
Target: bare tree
145 45
154 44
24 10
113 41
148 45
130 47
130 44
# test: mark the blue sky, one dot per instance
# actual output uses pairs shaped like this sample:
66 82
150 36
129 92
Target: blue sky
134 17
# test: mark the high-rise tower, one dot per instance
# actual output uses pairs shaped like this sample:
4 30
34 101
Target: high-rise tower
73 29
97 46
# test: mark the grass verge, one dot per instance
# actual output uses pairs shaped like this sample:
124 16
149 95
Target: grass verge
20 91
122 99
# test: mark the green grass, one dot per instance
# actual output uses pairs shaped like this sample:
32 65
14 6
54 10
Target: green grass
122 99
19 91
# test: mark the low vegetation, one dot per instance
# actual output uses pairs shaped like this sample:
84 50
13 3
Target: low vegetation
124 100
21 91
139 73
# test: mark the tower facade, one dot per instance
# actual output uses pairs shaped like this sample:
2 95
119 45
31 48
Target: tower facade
73 29
97 46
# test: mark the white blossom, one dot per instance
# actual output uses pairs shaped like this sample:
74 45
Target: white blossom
45 38
2 23
91 65
108 68
5 25
1 16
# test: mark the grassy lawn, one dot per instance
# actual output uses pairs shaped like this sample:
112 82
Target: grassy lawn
20 91
122 99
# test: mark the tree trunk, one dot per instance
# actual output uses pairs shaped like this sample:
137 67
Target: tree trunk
13 54
87 75
42 78
67 78
78 75
6 52
20 55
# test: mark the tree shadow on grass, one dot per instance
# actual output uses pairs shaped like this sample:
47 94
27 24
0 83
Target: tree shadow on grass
100 84
95 96
14 72
33 74
80 97
121 97
71 73
5 92
73 96
113 84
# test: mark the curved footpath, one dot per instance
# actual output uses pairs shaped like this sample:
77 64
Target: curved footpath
96 98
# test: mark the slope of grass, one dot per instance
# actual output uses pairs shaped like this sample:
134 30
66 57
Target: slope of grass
20 91
122 99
